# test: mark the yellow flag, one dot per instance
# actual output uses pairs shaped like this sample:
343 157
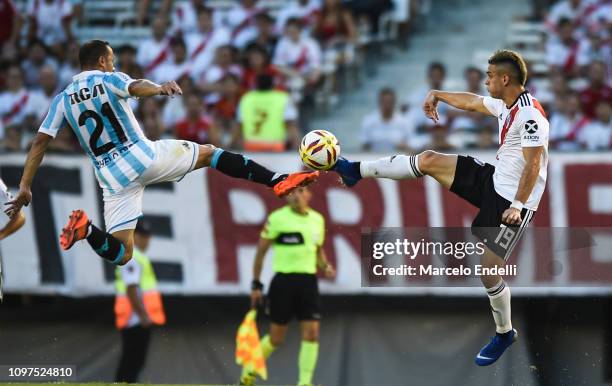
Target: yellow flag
248 347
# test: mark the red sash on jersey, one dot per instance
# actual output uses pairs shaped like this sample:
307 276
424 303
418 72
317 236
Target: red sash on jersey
159 59
577 128
16 109
201 46
246 22
508 124
570 62
302 59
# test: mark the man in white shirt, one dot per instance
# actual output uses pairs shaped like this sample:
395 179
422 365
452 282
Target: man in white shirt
304 10
563 54
16 107
177 66
385 129
49 20
568 123
154 51
241 20
298 55
202 44
597 135
8 226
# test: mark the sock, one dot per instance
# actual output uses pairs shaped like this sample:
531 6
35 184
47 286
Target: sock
499 297
105 245
238 166
309 351
396 167
267 349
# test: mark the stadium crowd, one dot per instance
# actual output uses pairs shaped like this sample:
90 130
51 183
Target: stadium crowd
293 57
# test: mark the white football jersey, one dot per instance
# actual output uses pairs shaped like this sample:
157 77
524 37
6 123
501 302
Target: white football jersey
5 197
523 124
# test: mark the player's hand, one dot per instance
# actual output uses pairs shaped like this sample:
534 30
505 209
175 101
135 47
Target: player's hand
23 198
512 216
256 298
330 271
430 106
170 89
146 322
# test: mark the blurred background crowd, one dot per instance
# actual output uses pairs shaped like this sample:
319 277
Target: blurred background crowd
305 56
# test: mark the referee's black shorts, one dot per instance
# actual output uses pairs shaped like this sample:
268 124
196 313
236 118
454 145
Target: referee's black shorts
293 295
474 183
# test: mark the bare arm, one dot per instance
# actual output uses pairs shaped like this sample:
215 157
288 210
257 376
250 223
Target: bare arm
262 249
137 306
324 264
146 88
461 100
13 226
35 157
528 180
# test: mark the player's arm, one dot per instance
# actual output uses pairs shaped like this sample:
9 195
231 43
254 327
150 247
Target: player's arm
13 225
532 155
257 287
324 264
137 306
461 100
145 88
35 157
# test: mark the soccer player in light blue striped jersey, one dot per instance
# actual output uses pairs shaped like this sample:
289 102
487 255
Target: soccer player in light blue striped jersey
95 106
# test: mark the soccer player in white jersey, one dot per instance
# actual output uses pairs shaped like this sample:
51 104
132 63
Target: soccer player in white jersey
95 106
507 194
8 225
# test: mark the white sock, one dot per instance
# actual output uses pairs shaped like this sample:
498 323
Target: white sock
396 167
499 297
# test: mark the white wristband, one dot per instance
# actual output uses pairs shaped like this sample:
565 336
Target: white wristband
516 204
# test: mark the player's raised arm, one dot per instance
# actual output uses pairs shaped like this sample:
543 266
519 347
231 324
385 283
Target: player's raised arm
146 88
461 100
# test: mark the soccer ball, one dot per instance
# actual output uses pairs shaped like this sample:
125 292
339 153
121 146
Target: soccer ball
319 150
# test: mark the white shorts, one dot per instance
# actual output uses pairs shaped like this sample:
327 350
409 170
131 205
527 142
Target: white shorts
173 160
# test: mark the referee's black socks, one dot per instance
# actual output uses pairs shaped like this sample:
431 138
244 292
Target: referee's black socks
106 245
238 166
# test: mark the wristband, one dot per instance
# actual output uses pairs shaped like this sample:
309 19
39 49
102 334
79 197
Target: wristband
256 285
516 204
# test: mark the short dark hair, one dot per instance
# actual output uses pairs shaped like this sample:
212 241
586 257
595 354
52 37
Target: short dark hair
386 91
264 82
473 69
517 68
90 52
436 66
294 21
126 48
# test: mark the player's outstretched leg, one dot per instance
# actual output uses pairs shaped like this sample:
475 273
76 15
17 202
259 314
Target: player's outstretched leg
499 298
399 167
238 166
107 246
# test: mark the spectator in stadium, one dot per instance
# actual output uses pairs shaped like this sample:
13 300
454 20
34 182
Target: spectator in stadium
202 44
197 126
297 55
70 66
267 118
186 14
64 143
439 139
10 26
598 132
174 109
487 138
436 74
465 124
37 57
225 109
386 129
138 306
127 62
562 54
210 81
149 116
335 30
241 20
178 64
576 11
16 106
597 90
258 63
154 51
49 88
50 21
10 139
297 234
306 11
568 123
266 34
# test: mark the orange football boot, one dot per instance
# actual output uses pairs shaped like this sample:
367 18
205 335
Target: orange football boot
75 230
293 181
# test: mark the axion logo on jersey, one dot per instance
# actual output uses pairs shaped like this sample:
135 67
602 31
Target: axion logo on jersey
531 126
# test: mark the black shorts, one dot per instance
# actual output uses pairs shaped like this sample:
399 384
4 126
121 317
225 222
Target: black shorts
293 295
474 183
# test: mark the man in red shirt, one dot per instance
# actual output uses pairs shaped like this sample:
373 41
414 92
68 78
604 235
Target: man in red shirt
196 127
597 91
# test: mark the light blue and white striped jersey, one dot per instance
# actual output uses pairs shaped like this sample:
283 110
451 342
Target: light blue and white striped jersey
95 106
